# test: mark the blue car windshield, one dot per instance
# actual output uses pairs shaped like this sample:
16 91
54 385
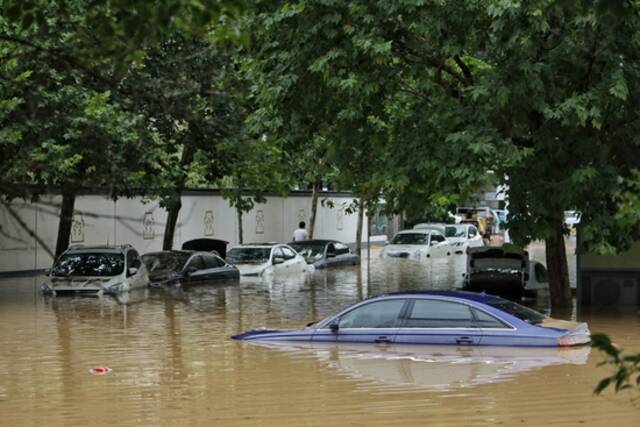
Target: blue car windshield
89 264
521 312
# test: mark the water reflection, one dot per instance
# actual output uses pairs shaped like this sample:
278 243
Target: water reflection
443 368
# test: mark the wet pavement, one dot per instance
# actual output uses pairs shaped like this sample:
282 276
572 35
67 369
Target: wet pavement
173 363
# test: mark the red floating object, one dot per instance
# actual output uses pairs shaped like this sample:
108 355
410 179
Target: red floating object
100 370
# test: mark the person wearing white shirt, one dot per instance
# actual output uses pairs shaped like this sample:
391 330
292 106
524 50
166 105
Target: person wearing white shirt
300 233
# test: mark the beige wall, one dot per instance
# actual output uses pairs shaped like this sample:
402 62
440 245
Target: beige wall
100 220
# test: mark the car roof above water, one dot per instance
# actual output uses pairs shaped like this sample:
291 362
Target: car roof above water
470 296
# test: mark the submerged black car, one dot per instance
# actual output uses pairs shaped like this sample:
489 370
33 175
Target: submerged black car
187 268
325 253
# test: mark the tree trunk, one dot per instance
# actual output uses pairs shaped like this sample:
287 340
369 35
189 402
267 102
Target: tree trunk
317 187
66 221
359 228
556 254
239 212
170 226
174 208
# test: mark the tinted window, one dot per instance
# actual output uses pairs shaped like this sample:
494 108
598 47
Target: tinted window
248 255
438 314
307 249
211 261
485 320
197 262
517 310
89 264
381 314
277 253
437 238
133 259
540 272
173 261
288 253
341 249
410 239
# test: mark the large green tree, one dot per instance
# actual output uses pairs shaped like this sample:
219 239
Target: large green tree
540 93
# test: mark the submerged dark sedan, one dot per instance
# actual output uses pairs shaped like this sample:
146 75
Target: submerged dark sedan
435 317
325 253
187 267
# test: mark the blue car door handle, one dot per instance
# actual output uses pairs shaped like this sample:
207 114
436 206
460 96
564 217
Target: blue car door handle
382 340
464 340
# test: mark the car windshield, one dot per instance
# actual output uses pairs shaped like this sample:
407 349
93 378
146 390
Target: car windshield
410 239
89 264
517 310
310 249
165 261
248 255
455 231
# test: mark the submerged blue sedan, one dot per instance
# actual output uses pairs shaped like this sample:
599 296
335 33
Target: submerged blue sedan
435 317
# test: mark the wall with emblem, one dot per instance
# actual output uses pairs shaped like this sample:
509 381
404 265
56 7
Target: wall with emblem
28 231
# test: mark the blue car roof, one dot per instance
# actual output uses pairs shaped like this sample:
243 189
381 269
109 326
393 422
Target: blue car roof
472 296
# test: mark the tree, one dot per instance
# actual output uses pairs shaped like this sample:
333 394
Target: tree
542 93
62 105
182 88
626 373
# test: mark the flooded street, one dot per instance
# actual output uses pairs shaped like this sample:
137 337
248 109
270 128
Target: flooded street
173 363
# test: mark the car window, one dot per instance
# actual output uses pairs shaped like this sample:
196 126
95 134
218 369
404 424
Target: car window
437 238
341 249
380 314
89 264
288 253
211 261
197 262
438 314
521 312
541 273
133 259
410 239
277 253
244 255
485 320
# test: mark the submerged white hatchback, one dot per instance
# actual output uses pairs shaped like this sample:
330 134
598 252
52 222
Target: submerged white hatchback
96 270
266 258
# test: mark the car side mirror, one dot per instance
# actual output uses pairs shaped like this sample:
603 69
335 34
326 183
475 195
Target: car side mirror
131 271
433 243
334 326
278 260
190 270
331 254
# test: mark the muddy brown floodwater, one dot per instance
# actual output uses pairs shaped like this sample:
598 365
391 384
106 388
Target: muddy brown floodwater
173 363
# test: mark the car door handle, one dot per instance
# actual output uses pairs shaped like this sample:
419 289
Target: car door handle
464 341
382 340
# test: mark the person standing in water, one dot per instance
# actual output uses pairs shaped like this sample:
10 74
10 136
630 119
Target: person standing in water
300 233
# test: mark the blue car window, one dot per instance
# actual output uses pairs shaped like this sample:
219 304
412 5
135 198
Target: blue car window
438 314
380 314
485 320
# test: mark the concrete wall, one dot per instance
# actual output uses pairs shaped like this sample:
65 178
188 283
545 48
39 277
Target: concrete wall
28 231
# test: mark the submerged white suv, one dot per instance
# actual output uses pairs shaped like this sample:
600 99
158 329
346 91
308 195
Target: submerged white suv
96 270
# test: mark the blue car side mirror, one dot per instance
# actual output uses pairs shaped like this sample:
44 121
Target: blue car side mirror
334 326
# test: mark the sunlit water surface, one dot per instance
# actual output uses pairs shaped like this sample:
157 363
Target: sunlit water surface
173 363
